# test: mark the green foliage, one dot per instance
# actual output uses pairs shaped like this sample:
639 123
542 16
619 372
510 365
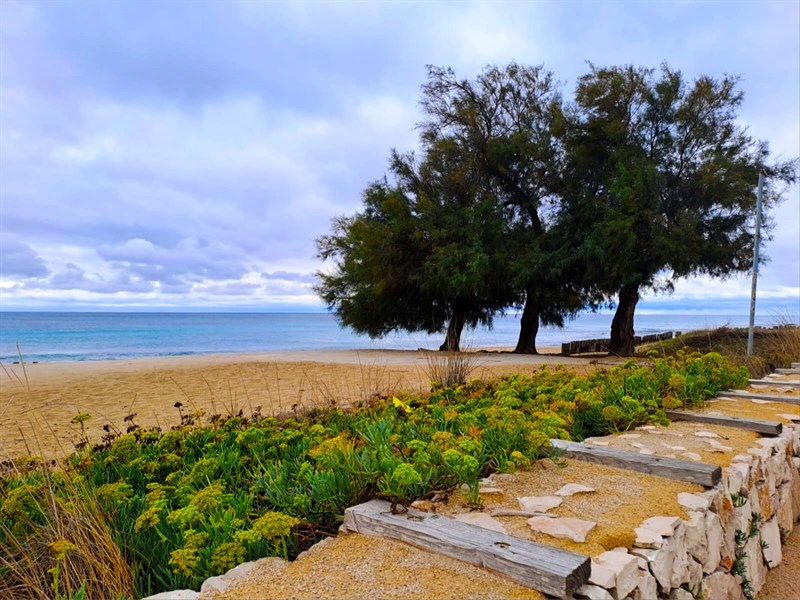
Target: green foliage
197 500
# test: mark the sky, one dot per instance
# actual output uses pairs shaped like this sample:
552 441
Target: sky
185 155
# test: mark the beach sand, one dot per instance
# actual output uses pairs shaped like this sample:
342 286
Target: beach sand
37 403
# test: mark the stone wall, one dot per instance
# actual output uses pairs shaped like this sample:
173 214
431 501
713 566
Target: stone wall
728 543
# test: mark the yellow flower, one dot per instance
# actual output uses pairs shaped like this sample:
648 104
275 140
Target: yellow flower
61 547
400 404
149 518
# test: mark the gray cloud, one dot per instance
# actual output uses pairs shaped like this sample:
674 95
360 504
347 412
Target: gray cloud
188 151
19 259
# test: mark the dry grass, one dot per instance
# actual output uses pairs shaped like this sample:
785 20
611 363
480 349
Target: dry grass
69 552
450 368
776 346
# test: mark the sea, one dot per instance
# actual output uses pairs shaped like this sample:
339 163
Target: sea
87 336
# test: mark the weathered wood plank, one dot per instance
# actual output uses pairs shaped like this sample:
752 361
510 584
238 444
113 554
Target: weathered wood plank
765 427
796 365
770 397
550 570
672 468
792 371
774 382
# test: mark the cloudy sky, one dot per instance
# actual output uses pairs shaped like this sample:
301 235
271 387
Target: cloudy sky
187 154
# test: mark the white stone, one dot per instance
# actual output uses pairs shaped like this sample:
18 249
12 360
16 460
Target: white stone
714 538
692 456
593 592
738 475
646 538
646 451
785 520
646 428
696 541
174 595
695 574
660 563
744 458
630 436
706 434
664 526
539 503
771 535
791 417
723 586
755 568
646 589
481 520
598 443
673 447
680 594
602 576
759 401
625 568
717 447
562 527
490 490
693 502
680 565
574 488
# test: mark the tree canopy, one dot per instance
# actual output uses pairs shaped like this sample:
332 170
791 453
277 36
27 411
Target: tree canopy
520 199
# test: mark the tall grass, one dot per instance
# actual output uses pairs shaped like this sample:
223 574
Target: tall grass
450 369
67 550
775 346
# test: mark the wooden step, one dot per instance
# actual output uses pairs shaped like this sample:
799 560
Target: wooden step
764 427
550 570
770 397
775 382
796 365
672 468
792 371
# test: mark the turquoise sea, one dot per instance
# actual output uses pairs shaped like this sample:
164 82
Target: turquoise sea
51 336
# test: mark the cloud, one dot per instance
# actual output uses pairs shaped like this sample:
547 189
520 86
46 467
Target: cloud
19 259
189 154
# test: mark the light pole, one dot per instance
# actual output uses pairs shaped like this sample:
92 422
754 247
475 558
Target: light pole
756 245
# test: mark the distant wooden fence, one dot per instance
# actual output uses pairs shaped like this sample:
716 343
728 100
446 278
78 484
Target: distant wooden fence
590 346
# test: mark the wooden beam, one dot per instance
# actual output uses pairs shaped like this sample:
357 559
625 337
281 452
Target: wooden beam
765 427
550 570
775 382
792 371
796 365
769 397
672 468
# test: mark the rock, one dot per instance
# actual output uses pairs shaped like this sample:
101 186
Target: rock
692 456
647 538
539 503
693 502
646 451
664 526
424 505
695 539
630 436
673 447
174 595
789 416
695 574
765 500
660 562
721 585
784 513
706 434
490 490
593 592
759 401
481 520
714 538
602 576
646 589
755 568
574 488
771 535
680 594
596 441
625 568
562 527
737 476
646 428
220 583
743 458
680 565
717 447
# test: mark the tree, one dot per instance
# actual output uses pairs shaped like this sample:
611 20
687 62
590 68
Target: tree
507 119
660 183
425 254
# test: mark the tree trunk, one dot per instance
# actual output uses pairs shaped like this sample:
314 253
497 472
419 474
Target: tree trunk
452 341
528 328
622 325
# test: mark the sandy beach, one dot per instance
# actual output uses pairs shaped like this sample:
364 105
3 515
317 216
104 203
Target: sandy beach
38 402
